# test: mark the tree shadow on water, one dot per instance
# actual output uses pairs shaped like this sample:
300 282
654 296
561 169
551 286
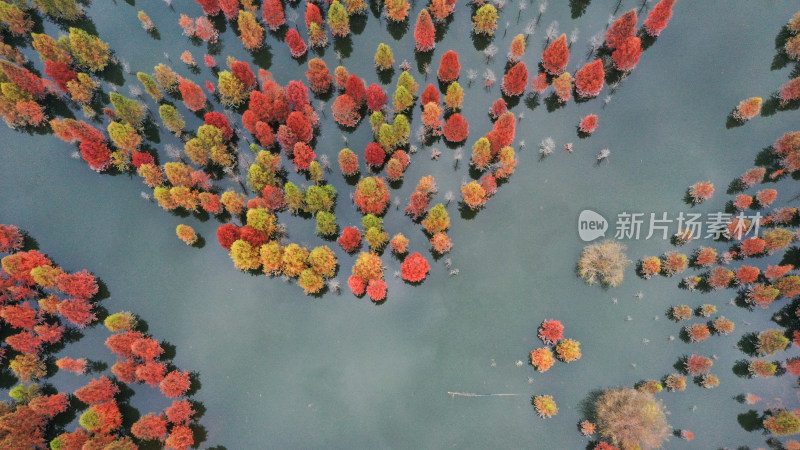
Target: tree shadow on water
750 421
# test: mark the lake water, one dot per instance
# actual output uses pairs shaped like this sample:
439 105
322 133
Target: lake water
279 369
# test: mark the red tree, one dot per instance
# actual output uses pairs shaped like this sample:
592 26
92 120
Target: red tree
350 239
627 54
272 14
220 121
227 234
210 7
345 111
374 155
376 289
449 67
355 88
414 268
273 198
230 8
99 390
24 342
456 128
242 71
175 384
430 94
193 96
502 135
588 124
659 17
96 154
424 32
418 204
125 370
303 155
120 343
313 14
589 80
376 98
149 427
77 310
621 29
19 316
256 238
300 126
79 284
319 77
180 437
551 331
297 46
515 81
297 95
180 412
146 348
151 372
556 56
11 238
60 73
357 285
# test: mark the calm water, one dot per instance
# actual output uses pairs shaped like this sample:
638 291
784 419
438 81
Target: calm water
279 369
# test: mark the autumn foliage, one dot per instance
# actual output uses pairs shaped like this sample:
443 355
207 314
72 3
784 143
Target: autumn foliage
590 79
414 268
659 17
556 56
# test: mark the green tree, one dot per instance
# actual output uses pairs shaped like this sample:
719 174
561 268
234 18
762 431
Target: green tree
124 136
402 129
262 220
454 96
338 19
150 86
407 81
326 224
23 394
402 99
89 51
293 197
245 256
231 89
60 9
208 145
172 119
384 58
128 110
437 220
320 198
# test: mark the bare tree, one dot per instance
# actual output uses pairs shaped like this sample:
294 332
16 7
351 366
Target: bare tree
604 153
573 36
489 52
449 197
427 69
552 31
405 65
489 77
520 8
146 196
530 28
172 151
546 147
472 74
325 162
